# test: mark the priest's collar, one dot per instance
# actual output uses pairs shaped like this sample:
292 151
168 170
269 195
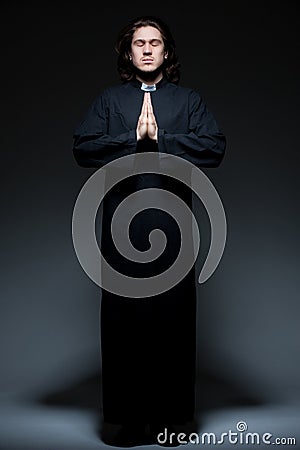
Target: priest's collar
148 87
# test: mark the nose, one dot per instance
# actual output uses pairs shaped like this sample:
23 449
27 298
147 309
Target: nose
147 48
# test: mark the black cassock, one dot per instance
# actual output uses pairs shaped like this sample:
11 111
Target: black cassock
148 344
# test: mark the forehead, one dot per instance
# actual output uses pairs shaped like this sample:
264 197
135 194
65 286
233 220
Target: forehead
146 33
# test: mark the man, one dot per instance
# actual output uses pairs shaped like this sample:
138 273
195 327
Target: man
148 345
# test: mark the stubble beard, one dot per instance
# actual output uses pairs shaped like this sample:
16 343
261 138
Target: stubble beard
149 76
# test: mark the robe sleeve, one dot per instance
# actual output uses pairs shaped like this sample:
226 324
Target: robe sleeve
204 145
93 146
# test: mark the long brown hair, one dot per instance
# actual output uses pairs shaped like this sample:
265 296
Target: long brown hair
171 66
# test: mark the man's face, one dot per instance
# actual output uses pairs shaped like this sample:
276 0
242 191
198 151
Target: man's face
147 49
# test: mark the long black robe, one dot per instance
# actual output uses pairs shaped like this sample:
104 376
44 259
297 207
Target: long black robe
148 345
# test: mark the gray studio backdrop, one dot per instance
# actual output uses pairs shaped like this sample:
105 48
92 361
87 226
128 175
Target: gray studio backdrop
242 57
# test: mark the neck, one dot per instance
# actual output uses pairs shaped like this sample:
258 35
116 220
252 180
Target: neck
149 78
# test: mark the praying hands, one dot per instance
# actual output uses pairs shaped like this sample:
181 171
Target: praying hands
147 125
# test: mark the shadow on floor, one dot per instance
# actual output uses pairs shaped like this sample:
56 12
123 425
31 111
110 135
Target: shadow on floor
85 394
211 393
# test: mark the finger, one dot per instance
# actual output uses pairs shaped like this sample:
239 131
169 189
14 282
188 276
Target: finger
144 108
151 119
150 107
150 110
145 101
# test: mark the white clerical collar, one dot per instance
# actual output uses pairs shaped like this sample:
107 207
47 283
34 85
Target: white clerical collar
148 87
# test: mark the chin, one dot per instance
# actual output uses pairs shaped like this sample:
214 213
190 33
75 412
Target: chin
149 73
148 69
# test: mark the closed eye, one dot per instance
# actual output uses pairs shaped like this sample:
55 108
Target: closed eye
139 43
154 42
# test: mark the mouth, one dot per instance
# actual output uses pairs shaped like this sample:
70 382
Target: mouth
147 60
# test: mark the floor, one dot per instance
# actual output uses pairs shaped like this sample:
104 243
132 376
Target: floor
71 420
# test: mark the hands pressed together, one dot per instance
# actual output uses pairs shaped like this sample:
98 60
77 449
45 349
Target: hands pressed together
147 125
